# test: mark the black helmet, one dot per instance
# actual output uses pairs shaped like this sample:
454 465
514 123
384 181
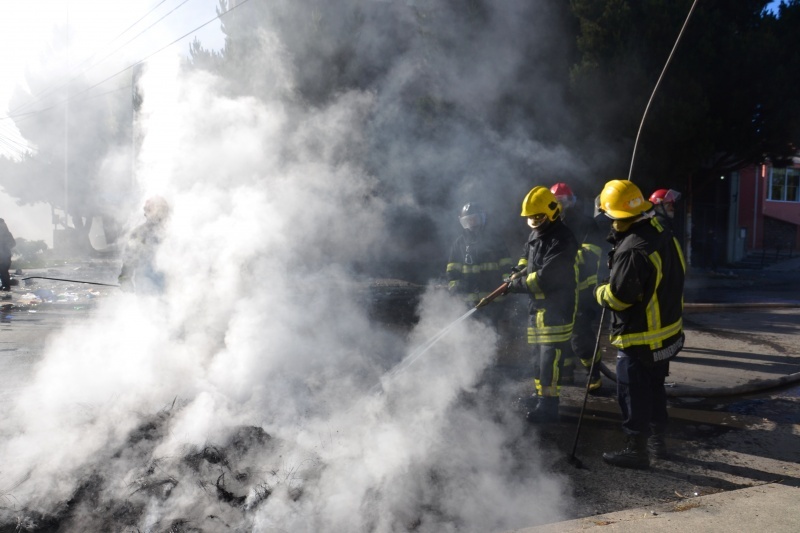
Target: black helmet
472 217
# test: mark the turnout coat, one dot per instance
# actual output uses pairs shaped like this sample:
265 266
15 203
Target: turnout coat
645 291
551 281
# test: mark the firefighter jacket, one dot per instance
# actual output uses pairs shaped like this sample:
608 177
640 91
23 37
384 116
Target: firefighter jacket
476 267
551 281
645 291
664 219
590 252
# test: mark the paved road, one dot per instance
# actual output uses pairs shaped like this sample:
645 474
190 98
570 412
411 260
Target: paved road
36 310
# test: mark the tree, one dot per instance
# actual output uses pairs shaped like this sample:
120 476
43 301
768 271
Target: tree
725 101
81 138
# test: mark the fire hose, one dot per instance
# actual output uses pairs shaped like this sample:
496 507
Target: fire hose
72 281
499 291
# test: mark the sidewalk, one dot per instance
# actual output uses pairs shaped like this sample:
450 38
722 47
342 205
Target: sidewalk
769 508
731 351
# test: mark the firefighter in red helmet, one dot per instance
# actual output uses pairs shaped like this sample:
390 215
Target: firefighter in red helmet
663 201
591 242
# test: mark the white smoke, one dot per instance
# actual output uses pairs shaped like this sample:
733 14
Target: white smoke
262 326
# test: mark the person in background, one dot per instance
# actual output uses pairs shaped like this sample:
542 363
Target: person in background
478 260
551 282
139 272
7 243
591 241
645 296
663 201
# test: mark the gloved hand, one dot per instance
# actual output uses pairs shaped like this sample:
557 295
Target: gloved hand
126 284
599 291
516 283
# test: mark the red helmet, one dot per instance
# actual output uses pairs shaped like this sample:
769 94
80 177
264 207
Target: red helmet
563 194
665 196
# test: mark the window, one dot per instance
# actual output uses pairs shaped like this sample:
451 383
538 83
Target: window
784 184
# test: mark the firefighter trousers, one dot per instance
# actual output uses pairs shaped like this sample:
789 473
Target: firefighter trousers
641 394
548 362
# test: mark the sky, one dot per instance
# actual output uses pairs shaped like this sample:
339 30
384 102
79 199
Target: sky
106 37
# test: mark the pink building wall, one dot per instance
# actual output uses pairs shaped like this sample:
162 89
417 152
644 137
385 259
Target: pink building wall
754 206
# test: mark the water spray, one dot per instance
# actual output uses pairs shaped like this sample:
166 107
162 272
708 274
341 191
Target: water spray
427 345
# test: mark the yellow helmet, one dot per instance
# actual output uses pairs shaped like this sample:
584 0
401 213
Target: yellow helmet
622 199
540 201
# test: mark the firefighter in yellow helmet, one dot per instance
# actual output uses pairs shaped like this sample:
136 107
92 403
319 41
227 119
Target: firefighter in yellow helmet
645 296
550 281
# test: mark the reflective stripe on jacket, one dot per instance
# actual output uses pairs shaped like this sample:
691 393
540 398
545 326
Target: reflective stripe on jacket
645 290
475 269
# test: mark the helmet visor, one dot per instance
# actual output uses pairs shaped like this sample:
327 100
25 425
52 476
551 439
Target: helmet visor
471 221
672 196
566 202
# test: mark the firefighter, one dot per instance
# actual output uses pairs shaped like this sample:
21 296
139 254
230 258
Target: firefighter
7 243
551 281
663 201
478 260
645 296
591 241
139 272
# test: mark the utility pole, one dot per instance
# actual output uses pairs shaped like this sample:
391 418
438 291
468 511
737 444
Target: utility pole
66 134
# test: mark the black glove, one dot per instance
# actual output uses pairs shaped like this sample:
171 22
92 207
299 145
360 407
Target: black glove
516 284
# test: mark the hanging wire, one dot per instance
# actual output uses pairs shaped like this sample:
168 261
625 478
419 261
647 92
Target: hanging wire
650 101
132 65
53 88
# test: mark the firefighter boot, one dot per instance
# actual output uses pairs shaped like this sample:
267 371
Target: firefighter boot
595 381
657 445
633 456
546 411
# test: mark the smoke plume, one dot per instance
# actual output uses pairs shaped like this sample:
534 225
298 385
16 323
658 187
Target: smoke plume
257 393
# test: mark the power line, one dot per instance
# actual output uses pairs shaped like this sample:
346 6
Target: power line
133 65
54 88
28 115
